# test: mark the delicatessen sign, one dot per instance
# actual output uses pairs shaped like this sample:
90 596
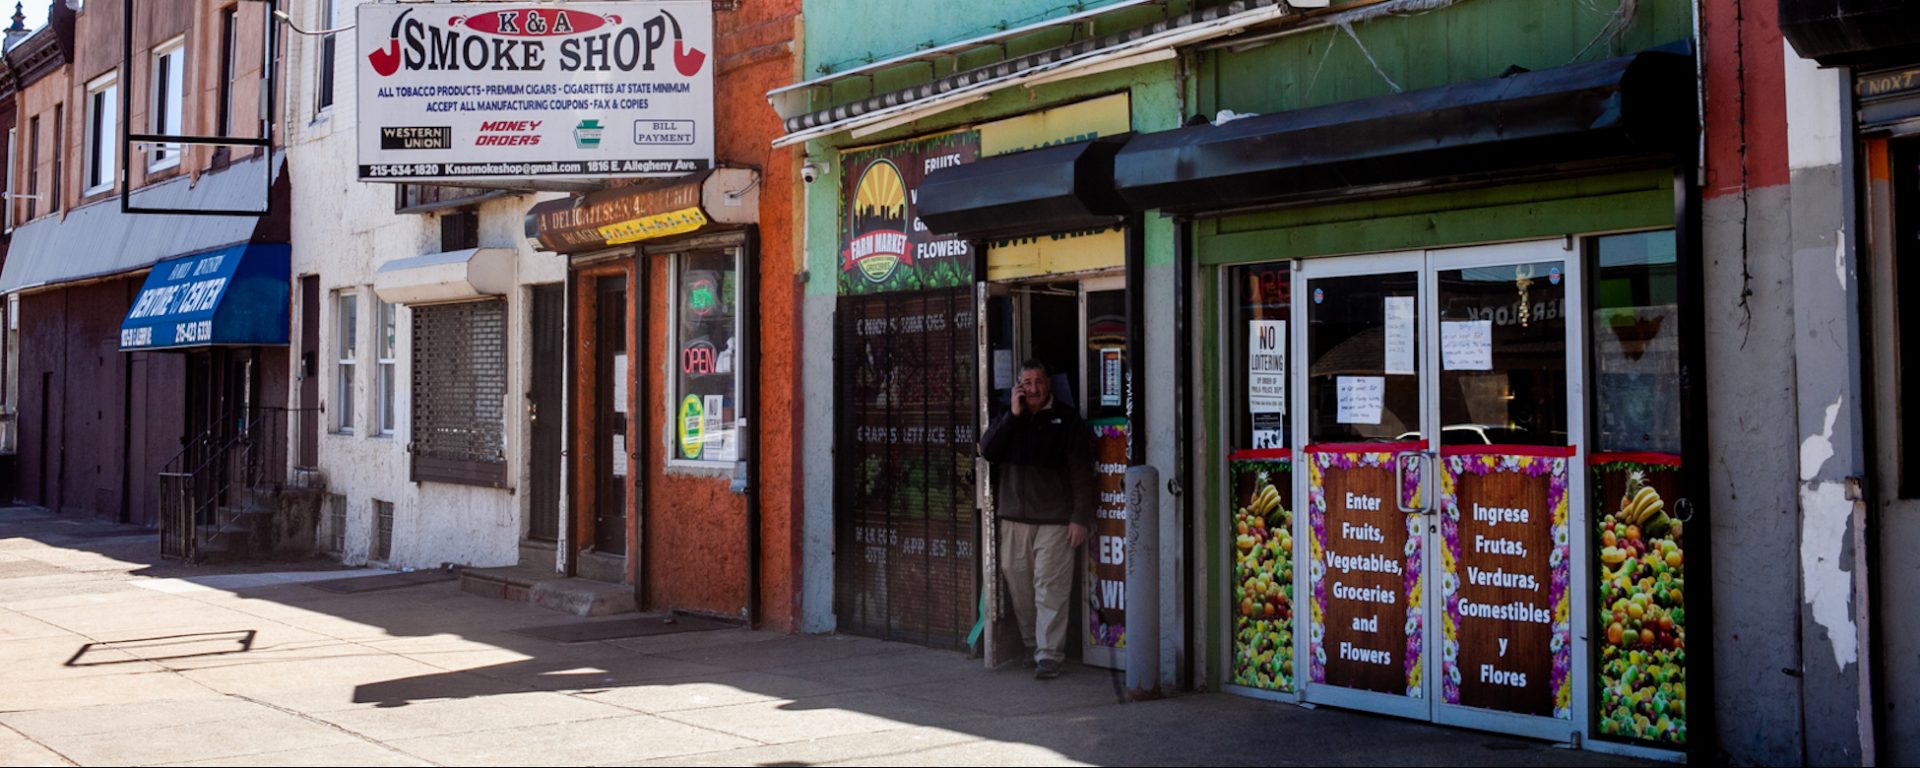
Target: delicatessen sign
501 90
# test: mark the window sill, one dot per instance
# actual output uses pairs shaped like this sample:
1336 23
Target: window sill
164 165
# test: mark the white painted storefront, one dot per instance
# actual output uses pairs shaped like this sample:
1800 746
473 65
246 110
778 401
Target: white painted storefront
343 231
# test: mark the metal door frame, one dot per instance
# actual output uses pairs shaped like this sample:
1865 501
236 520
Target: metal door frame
1573 309
1303 274
1426 265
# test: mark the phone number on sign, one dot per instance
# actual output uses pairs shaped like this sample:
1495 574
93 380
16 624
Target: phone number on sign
417 169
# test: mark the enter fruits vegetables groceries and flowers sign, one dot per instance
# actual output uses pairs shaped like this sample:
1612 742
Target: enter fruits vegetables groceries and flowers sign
883 244
1506 630
1263 573
1641 616
506 90
1367 631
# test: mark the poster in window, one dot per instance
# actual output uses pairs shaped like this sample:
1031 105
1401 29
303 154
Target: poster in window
1263 571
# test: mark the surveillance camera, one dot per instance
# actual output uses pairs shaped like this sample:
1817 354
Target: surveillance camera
809 172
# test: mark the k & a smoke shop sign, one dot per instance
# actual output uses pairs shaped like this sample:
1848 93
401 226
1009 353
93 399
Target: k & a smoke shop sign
488 90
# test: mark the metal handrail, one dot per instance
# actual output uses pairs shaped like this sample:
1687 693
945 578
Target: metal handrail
253 457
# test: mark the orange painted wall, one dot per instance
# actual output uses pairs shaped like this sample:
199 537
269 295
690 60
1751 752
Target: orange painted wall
693 528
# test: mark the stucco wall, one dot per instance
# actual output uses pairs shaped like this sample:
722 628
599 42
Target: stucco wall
343 230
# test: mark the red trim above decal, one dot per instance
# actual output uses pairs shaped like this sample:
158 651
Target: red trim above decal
1365 447
1548 451
1638 457
1260 453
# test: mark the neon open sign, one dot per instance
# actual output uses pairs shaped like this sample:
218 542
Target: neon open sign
697 359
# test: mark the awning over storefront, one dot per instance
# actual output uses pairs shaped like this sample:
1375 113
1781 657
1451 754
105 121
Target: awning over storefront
1631 110
627 215
1119 50
232 296
1853 32
1056 189
97 240
446 276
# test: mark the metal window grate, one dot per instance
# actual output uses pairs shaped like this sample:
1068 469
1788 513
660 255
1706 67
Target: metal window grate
459 393
337 523
382 531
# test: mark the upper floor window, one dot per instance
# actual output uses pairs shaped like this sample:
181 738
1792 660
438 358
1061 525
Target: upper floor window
169 100
103 123
229 65
323 89
33 167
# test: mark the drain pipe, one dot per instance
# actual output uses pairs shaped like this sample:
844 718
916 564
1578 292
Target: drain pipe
746 473
1183 437
637 435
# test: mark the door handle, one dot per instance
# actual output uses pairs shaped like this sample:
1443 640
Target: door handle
1422 464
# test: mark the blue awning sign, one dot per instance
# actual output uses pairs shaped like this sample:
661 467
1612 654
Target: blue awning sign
233 296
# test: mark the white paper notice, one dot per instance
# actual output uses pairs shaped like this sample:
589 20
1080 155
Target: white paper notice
1466 345
1361 398
620 383
1003 369
1267 366
619 456
1399 341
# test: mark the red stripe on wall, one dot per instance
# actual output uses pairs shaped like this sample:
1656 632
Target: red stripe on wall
1746 99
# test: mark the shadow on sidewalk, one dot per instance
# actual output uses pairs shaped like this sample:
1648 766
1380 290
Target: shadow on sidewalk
849 693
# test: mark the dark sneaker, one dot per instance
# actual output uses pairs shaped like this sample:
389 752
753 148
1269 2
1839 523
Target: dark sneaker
1047 669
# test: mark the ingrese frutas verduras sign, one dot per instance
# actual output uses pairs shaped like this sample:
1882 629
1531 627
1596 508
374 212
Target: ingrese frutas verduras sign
492 91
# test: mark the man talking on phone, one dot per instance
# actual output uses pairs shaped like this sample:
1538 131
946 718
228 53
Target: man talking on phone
1043 461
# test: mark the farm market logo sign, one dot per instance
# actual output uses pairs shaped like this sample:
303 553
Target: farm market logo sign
884 246
518 39
879 224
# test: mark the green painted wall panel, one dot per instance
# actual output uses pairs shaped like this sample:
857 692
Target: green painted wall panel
1468 40
1515 212
1155 103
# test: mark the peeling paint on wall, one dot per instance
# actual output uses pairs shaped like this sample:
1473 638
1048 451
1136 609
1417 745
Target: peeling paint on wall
1825 512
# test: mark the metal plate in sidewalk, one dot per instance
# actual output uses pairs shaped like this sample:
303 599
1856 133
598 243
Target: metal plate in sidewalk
355 586
639 626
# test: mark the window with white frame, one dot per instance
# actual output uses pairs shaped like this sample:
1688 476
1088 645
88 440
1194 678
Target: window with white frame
103 133
706 335
229 66
346 344
323 87
13 154
385 343
169 101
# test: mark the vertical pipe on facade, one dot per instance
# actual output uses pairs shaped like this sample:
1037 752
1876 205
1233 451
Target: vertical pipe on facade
749 289
568 406
1703 742
1136 267
1183 428
637 434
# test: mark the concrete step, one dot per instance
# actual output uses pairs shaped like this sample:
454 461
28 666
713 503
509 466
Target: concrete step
580 597
584 597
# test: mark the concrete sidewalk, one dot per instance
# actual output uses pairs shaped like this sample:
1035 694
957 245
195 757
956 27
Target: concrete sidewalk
110 656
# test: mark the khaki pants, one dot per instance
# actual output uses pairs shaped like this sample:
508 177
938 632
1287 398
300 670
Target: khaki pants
1037 562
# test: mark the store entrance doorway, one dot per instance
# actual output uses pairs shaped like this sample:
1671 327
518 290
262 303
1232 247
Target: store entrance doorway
1441 406
1078 329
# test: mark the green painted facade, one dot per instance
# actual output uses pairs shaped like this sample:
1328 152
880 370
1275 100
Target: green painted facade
842 34
1459 41
1463 41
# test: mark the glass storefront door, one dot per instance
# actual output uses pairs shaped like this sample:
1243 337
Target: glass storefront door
1438 411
